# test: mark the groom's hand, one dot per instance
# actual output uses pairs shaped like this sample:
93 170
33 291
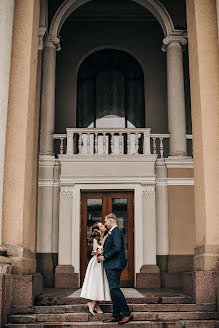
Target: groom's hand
100 258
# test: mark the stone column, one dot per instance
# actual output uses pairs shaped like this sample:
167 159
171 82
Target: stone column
149 276
217 5
64 274
176 95
204 80
20 180
48 95
6 27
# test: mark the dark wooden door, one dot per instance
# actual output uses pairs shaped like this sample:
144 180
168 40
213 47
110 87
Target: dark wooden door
94 207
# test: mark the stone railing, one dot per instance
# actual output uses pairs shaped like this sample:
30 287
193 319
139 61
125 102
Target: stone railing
105 142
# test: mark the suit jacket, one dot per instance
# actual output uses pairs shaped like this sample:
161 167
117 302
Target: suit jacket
114 252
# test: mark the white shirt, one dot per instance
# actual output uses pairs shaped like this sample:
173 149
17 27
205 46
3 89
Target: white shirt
113 228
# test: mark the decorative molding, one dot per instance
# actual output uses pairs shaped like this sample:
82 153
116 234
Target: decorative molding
150 158
52 41
66 191
48 183
106 180
180 182
148 190
177 39
179 163
41 35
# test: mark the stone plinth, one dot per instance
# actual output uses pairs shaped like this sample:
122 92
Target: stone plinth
65 277
25 288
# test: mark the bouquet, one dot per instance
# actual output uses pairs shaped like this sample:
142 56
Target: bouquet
98 251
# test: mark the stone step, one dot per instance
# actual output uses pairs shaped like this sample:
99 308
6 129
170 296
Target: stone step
63 300
135 324
87 317
80 308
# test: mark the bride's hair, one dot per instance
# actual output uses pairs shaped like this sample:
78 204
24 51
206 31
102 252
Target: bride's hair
94 234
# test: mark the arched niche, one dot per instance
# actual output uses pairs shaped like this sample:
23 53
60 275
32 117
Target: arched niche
110 91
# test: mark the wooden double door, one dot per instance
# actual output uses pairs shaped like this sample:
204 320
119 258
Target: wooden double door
94 207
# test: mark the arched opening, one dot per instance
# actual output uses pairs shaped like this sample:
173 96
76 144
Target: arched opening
110 91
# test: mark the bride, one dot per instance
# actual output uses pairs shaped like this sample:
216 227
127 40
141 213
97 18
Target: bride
96 286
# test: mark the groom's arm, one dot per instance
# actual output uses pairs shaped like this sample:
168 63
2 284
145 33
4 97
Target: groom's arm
117 245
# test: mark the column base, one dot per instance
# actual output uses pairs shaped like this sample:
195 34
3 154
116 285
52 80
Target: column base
23 261
206 258
65 277
149 277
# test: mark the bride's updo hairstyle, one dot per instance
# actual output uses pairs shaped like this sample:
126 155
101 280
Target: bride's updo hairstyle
94 234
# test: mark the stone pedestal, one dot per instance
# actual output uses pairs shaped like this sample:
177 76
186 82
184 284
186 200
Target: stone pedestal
65 277
149 277
26 288
204 287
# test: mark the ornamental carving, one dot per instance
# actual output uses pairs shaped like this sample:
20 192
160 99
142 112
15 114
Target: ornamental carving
148 190
66 191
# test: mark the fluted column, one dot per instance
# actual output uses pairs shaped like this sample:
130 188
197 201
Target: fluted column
6 27
176 95
48 95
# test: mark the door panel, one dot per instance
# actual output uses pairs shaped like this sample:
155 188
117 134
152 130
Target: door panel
95 206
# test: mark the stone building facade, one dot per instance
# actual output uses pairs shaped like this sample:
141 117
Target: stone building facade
109 106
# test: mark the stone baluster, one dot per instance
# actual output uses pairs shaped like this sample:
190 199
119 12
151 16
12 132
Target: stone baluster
161 147
173 45
61 145
112 143
154 145
96 142
79 142
88 143
136 143
120 143
128 143
104 142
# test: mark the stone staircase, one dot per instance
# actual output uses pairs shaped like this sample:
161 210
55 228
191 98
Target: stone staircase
155 309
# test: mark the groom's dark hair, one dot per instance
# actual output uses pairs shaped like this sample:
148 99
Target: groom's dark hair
111 216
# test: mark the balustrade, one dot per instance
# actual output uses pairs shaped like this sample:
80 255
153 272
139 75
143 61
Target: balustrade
105 142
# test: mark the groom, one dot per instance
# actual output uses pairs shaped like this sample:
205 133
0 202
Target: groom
114 262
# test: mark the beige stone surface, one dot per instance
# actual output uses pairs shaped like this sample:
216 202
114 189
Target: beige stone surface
181 220
180 173
19 202
204 78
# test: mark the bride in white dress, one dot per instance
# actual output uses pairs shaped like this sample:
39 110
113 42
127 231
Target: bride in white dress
96 286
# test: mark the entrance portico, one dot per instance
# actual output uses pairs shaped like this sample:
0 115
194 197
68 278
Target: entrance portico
152 159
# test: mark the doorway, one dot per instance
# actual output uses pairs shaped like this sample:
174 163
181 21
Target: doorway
94 207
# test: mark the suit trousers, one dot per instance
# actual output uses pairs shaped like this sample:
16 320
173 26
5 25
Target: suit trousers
118 299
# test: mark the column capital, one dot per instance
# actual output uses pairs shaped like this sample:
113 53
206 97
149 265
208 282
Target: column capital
52 41
177 39
41 35
66 191
148 190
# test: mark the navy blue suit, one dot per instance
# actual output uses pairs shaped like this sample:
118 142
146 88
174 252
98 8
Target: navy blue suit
114 255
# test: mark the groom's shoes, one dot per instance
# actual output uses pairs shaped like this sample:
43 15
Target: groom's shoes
126 319
112 319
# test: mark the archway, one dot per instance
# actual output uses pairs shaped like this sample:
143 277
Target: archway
154 6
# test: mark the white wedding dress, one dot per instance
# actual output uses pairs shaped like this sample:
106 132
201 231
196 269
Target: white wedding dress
95 286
